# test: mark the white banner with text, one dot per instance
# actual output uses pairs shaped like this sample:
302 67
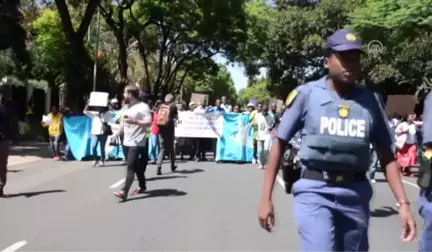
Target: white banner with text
199 125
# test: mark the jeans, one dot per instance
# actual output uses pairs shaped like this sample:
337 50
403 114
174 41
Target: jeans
54 143
155 144
373 164
98 139
166 142
136 159
263 147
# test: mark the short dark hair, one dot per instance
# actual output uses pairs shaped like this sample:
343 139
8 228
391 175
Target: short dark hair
133 90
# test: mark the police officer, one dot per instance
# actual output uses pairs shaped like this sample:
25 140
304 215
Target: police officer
338 120
425 180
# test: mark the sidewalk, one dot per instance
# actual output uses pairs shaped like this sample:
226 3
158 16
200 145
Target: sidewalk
27 152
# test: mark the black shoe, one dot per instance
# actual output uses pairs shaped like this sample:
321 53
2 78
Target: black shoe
173 168
1 192
159 171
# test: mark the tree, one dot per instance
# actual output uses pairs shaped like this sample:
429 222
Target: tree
403 28
260 15
12 33
257 91
48 47
216 82
78 63
171 34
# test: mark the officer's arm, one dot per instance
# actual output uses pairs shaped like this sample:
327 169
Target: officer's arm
427 121
383 141
291 122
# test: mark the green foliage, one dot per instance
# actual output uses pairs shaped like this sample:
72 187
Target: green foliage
257 91
48 46
174 34
215 85
403 27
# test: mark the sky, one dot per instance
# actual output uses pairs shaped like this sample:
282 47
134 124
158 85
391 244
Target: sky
236 71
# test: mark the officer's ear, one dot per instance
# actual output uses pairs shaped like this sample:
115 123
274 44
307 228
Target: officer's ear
327 53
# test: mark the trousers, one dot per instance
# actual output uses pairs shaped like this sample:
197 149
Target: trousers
332 218
136 160
4 155
425 211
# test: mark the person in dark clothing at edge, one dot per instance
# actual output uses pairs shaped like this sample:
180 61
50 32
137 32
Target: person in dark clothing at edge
167 114
136 119
8 132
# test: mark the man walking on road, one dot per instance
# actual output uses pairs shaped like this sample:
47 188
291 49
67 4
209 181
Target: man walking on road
8 132
136 119
167 113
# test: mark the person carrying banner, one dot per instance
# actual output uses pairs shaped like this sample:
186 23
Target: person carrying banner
338 119
167 114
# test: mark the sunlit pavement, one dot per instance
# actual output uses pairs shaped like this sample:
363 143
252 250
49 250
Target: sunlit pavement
70 206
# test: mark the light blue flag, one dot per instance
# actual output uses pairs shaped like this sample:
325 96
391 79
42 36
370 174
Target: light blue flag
77 129
236 143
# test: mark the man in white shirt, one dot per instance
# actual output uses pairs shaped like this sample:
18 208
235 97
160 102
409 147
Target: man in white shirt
265 124
98 136
225 105
137 118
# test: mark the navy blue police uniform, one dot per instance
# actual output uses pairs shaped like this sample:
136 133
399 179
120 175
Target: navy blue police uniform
425 199
331 200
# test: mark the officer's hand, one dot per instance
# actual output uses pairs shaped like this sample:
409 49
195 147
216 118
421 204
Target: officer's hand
408 223
266 215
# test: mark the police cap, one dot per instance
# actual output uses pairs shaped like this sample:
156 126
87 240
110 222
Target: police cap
344 40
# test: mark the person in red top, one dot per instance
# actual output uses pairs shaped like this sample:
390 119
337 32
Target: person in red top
154 134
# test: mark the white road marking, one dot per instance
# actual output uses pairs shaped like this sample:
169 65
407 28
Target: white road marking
280 181
410 183
118 183
14 247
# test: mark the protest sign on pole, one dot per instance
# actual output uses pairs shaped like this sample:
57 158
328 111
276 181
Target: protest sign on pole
197 98
199 125
401 105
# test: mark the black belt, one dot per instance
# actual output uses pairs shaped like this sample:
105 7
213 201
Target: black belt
335 177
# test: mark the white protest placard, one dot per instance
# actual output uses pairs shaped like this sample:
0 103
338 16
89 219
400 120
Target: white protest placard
199 125
46 120
98 99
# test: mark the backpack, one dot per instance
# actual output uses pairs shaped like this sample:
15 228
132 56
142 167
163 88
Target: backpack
163 115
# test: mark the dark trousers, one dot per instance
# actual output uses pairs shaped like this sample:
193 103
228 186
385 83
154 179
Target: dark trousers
166 143
55 146
200 148
136 160
101 140
4 155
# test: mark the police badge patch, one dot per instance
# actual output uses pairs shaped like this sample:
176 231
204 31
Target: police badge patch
343 111
291 97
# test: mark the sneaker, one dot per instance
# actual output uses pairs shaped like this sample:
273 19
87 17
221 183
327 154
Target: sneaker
102 164
373 181
159 171
254 161
121 195
260 167
139 190
173 168
95 163
56 158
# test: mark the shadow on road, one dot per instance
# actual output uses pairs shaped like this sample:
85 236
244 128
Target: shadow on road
14 171
383 212
160 193
189 171
32 194
164 178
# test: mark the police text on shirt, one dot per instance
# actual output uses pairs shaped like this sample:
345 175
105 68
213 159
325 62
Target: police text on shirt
343 127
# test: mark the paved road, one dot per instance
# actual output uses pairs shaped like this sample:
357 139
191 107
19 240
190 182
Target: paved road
70 206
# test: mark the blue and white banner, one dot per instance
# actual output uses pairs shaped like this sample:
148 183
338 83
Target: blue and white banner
236 143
